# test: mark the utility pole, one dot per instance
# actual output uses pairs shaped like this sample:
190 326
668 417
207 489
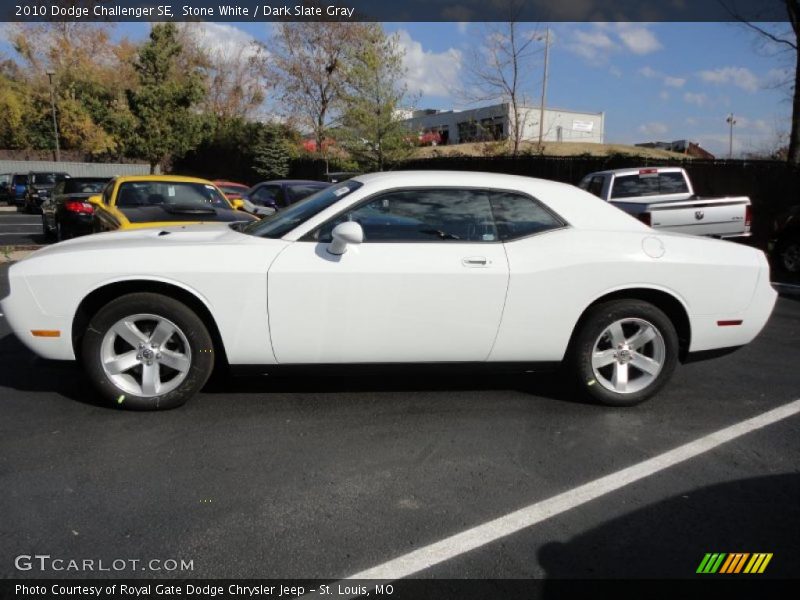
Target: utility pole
53 106
544 85
730 121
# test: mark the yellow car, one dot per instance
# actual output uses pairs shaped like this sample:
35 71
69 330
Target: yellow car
138 201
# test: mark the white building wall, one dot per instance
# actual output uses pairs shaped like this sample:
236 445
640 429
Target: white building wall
559 125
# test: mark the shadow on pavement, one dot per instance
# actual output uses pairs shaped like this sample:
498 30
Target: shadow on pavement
670 538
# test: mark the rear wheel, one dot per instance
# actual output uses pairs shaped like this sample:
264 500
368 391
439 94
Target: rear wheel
146 351
789 255
624 352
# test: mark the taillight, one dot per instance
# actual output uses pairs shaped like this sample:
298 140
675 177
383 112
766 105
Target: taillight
645 218
75 206
748 215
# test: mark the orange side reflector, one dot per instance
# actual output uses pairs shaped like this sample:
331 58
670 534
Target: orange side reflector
46 332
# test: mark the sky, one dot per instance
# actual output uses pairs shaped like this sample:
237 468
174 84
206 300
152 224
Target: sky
653 81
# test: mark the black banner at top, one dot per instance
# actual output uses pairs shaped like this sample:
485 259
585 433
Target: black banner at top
395 10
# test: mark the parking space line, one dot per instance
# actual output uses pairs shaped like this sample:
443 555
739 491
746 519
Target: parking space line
481 535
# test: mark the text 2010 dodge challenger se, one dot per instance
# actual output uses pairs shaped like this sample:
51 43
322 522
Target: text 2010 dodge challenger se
400 267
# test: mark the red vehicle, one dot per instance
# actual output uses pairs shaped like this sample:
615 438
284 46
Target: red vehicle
231 189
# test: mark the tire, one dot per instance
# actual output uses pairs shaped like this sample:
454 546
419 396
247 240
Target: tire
183 359
605 365
61 233
789 255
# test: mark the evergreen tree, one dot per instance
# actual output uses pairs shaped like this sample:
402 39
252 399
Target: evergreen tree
167 126
271 153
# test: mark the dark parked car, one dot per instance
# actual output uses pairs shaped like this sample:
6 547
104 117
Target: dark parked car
67 212
280 193
785 241
5 183
17 189
40 186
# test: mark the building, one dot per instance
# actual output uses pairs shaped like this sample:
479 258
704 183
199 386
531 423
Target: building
686 147
496 122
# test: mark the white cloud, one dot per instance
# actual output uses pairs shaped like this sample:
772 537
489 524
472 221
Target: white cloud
598 43
739 76
664 95
430 73
667 80
653 128
463 26
591 45
696 99
224 41
637 38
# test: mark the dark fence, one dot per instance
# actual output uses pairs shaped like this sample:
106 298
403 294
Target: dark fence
771 185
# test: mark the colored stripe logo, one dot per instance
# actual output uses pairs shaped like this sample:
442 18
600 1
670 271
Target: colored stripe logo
735 562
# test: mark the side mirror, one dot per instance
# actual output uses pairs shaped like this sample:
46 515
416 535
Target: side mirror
95 200
345 233
237 203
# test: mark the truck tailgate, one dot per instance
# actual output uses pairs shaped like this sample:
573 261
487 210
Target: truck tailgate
724 217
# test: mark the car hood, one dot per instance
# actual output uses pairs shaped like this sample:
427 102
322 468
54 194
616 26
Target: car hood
159 213
161 237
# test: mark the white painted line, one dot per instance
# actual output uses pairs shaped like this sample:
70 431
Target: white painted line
461 543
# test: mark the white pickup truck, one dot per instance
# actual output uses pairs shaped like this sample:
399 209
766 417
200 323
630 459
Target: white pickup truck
663 198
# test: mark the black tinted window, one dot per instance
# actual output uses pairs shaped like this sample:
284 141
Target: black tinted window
298 192
267 195
649 184
83 186
519 216
422 215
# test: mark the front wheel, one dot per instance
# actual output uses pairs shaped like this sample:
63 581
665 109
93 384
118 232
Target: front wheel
146 351
624 352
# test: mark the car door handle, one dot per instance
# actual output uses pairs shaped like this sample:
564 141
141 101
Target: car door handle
475 261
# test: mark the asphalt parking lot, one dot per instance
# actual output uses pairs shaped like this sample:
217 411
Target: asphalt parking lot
326 477
19 229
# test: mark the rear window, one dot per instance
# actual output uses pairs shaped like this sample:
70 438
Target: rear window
630 186
20 179
84 186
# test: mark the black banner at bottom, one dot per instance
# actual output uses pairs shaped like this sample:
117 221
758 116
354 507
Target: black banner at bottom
404 589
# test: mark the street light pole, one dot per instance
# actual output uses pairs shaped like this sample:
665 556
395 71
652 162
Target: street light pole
53 107
731 122
544 85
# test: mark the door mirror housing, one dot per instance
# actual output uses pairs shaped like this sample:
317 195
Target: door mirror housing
95 200
237 203
343 234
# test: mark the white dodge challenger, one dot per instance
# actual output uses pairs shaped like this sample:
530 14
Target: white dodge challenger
399 267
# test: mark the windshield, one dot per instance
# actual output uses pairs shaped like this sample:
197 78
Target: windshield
170 193
282 222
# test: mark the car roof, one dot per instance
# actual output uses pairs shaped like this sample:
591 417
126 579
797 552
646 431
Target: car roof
635 170
293 182
162 178
234 183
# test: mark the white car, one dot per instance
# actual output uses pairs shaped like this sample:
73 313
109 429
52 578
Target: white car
399 267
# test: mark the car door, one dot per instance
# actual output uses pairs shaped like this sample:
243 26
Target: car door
427 284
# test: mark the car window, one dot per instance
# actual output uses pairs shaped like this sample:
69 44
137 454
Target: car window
169 194
649 184
300 191
59 188
422 215
282 222
518 216
20 180
108 191
83 186
595 185
267 195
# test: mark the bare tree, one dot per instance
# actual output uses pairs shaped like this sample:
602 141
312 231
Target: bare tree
503 69
788 40
309 70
